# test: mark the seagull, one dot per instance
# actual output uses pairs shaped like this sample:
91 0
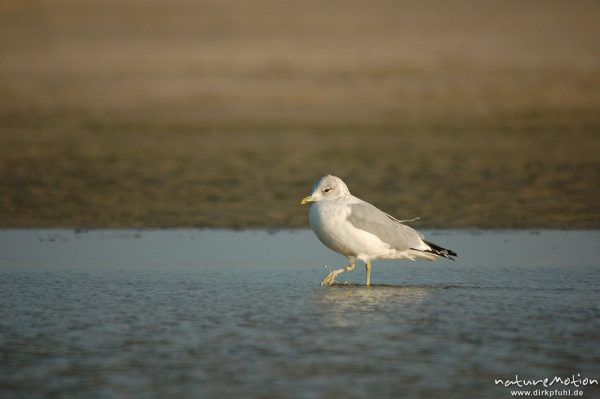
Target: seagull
358 230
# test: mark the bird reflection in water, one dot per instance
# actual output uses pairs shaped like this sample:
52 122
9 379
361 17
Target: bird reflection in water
349 304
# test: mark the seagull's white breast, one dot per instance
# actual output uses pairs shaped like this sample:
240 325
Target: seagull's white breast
328 219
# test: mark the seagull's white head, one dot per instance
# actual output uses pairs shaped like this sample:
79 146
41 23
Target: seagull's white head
327 188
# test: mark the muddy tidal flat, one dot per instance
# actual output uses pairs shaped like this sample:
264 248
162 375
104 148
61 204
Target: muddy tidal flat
218 114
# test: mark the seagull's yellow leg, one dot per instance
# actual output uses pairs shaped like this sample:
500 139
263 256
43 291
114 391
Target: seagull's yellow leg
368 267
331 276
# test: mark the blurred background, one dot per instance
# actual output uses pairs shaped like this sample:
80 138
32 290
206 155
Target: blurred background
159 113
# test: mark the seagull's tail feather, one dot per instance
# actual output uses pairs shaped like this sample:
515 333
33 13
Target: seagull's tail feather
439 251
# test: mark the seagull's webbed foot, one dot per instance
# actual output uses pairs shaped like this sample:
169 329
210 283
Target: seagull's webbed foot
330 278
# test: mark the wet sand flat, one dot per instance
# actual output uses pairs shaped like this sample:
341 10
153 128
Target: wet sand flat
153 114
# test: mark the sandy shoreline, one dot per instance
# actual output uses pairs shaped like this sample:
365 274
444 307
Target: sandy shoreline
119 114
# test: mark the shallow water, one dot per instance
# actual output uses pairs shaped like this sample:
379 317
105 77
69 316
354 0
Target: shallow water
201 313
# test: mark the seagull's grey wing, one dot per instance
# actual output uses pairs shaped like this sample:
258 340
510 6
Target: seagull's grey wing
366 217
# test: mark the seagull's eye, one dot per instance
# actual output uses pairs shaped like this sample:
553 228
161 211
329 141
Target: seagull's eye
327 189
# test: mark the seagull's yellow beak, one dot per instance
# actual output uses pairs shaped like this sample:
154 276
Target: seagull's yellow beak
306 200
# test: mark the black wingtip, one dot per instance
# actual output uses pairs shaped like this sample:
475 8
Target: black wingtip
439 251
